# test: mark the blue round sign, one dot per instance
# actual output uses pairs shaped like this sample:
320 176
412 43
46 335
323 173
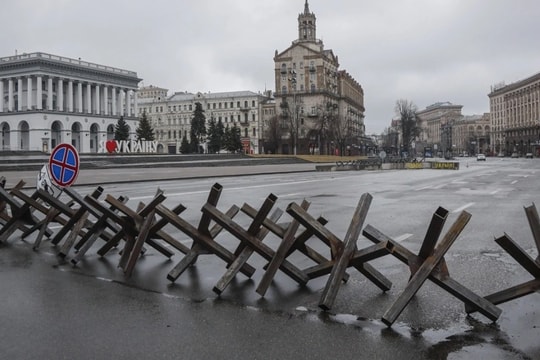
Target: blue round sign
64 165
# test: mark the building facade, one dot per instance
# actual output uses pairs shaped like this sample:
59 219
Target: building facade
447 132
321 107
515 117
46 100
171 116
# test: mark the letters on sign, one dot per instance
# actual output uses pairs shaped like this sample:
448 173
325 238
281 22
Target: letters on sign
127 146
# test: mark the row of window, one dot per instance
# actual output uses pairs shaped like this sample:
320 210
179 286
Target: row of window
187 120
172 134
210 106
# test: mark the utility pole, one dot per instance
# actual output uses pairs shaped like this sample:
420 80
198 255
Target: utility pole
294 124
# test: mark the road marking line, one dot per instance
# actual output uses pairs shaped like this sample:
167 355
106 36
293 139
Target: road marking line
169 195
423 188
402 237
513 182
463 207
494 192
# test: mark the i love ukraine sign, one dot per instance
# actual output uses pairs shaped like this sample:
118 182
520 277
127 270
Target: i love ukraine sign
127 146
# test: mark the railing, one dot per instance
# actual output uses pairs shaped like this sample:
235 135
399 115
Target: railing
66 60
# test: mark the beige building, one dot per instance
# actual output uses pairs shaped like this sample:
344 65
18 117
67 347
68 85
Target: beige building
321 107
171 116
449 133
515 117
436 122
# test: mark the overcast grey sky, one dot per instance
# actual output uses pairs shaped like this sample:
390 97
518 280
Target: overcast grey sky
424 51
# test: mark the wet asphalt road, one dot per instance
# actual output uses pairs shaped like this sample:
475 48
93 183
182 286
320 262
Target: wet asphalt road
92 311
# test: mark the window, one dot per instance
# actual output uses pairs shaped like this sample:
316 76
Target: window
254 132
213 105
253 103
245 103
238 104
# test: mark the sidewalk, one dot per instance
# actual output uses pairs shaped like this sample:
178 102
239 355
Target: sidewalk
134 174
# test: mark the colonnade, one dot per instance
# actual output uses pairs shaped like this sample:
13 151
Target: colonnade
41 92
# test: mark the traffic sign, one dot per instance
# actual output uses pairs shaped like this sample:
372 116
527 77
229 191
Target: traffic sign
64 165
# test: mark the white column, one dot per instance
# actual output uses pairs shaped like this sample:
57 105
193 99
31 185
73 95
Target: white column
10 95
97 100
106 99
19 94
128 102
39 93
60 95
120 104
29 93
135 104
1 95
70 95
113 101
49 93
89 98
79 98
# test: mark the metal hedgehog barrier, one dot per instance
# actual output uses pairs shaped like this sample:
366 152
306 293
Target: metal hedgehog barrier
83 220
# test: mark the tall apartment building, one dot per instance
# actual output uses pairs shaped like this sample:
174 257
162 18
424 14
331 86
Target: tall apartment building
515 116
171 116
48 99
320 107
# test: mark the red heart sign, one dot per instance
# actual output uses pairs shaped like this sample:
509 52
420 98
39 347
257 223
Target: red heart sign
110 145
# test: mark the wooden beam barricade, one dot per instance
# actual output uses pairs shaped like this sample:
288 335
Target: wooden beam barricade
531 265
97 230
251 241
4 204
21 217
114 221
65 214
432 266
346 253
203 237
142 221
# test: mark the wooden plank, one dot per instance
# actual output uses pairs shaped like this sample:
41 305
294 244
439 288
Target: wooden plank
74 218
349 246
433 232
261 248
534 224
244 255
281 253
512 293
139 241
427 267
520 255
202 239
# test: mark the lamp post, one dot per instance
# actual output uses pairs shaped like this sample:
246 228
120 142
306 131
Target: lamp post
294 124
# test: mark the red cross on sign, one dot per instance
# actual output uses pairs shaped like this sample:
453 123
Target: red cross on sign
64 165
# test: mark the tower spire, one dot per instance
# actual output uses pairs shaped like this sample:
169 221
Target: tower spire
306 25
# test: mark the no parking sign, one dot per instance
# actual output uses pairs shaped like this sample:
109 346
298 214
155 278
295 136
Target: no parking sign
64 165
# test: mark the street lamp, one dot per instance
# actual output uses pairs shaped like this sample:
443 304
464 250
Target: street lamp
294 124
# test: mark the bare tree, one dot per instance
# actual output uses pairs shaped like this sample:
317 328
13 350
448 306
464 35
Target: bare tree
406 111
273 134
291 114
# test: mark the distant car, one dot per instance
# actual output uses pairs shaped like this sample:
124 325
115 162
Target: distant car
480 157
515 155
529 155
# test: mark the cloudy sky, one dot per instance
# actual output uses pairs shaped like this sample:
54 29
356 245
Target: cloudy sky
424 51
